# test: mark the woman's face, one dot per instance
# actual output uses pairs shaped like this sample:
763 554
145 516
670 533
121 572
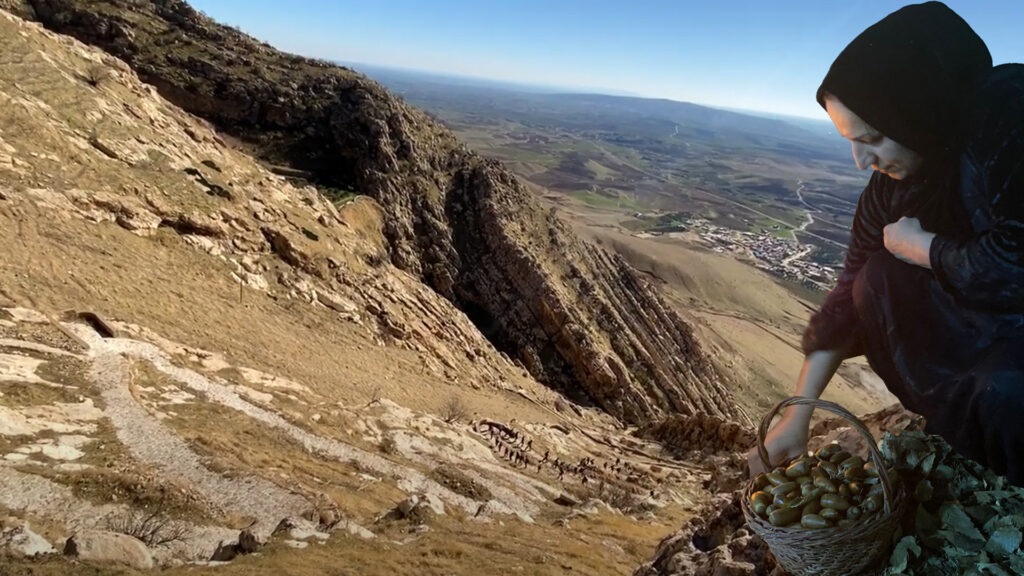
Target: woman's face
871 147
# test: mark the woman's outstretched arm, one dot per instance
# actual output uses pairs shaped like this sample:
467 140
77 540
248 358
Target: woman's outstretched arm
788 438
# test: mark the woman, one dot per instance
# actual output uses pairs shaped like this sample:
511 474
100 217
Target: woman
932 288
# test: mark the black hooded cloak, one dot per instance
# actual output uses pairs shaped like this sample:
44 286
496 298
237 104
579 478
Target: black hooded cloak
948 342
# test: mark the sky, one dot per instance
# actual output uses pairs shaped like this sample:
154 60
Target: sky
761 55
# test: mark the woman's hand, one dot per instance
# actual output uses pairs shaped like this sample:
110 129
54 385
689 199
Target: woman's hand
907 241
786 440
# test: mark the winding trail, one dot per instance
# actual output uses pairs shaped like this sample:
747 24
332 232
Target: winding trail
152 442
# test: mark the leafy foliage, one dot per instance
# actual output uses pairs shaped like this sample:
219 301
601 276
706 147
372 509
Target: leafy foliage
967 520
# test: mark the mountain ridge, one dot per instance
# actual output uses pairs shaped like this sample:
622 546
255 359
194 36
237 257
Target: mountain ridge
626 351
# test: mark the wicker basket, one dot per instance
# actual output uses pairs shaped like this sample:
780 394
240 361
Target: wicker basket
854 549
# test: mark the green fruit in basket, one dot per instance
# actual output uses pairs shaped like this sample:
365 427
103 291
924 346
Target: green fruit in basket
835 501
807 488
839 457
776 478
799 468
856 488
760 497
801 480
784 516
760 482
853 474
759 508
784 489
829 514
854 512
812 507
813 522
844 492
805 499
830 469
851 462
869 469
826 485
771 508
872 503
826 452
875 489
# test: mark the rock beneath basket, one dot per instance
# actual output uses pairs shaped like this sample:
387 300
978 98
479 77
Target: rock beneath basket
716 542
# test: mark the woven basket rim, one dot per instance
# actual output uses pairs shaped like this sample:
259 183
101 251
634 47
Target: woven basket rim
860 538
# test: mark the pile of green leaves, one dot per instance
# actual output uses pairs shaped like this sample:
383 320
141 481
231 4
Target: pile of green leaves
962 518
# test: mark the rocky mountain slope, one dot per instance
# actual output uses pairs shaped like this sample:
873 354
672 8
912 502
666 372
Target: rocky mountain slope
576 317
200 360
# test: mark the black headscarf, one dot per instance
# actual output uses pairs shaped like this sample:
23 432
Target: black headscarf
911 76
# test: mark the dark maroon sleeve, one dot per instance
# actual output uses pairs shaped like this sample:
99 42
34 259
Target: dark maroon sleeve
835 326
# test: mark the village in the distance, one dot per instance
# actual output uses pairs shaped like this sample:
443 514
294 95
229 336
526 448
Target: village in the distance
786 258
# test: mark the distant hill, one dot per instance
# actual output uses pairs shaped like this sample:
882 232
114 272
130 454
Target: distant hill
741 170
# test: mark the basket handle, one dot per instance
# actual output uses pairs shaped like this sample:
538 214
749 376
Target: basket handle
875 455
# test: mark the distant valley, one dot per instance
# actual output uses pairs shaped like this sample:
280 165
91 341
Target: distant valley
662 160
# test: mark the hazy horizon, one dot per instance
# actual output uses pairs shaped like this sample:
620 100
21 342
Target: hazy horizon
732 54
498 83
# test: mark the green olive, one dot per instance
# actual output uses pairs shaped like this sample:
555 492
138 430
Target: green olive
813 522
856 488
784 516
812 507
760 497
775 478
759 508
853 474
869 469
760 482
851 462
826 452
829 514
844 492
839 457
834 501
853 512
798 469
805 479
785 488
831 469
826 484
872 504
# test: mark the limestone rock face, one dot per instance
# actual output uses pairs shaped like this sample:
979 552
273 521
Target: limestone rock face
100 546
701 433
578 318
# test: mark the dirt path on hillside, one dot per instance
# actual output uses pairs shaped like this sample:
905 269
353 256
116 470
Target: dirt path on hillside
152 442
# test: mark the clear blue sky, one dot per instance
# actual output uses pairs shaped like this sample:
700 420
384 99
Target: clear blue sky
764 55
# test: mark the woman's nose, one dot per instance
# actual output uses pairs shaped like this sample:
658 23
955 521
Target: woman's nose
863 156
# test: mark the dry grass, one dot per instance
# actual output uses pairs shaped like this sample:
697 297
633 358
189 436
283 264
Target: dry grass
151 525
603 545
243 446
454 410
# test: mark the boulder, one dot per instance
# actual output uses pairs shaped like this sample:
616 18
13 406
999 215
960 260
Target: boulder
250 541
226 551
101 546
20 541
